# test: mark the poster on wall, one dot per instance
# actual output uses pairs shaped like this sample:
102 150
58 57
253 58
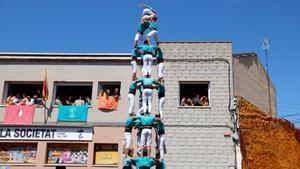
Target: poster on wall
67 154
18 153
106 158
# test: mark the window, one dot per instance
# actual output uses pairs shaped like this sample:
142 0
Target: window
18 153
29 93
106 154
67 93
110 88
108 95
60 153
194 93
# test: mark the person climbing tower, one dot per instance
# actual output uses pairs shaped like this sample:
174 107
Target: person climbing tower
146 137
161 97
148 84
129 124
148 53
161 139
131 93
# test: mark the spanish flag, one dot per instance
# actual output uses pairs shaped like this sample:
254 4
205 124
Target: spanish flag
45 87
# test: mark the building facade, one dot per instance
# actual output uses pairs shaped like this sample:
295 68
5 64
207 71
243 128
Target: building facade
198 136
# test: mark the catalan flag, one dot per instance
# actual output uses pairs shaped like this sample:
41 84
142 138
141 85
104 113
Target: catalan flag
45 87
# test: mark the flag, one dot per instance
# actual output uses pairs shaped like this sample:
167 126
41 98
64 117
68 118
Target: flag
107 103
18 114
45 87
72 113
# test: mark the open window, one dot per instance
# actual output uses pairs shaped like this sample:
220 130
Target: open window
26 93
71 93
108 95
106 154
194 93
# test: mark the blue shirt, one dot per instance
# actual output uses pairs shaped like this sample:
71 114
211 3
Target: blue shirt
161 88
146 49
161 165
127 163
160 126
135 53
129 122
138 123
147 120
159 53
144 161
147 81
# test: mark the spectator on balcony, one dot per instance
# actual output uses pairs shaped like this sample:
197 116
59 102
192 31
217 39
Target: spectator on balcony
79 101
9 100
58 101
69 101
30 101
116 93
24 100
88 101
183 102
196 100
204 101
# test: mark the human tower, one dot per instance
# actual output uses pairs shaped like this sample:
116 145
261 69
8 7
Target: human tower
142 119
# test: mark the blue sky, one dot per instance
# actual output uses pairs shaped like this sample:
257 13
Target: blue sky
109 26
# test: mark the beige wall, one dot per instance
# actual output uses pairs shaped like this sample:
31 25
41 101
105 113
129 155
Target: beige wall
73 71
251 82
112 135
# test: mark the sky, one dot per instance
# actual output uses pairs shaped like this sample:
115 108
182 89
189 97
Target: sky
92 26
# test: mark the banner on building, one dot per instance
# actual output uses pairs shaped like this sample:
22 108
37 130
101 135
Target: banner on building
18 153
18 114
67 154
106 158
72 113
46 133
108 103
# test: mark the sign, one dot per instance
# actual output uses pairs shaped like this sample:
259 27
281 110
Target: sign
18 153
46 133
106 158
18 114
67 153
72 113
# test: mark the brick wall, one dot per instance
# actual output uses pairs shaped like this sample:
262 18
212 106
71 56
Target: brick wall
195 136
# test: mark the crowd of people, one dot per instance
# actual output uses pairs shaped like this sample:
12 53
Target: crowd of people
70 101
141 119
25 99
196 101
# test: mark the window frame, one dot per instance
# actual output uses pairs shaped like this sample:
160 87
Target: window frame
194 82
94 154
108 83
6 88
70 83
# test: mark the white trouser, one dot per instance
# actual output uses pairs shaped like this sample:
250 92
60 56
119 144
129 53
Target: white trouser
131 102
161 103
138 139
147 98
127 139
138 37
161 70
147 63
161 145
154 34
133 66
146 137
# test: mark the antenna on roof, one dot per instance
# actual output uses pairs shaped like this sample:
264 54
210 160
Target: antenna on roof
265 45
